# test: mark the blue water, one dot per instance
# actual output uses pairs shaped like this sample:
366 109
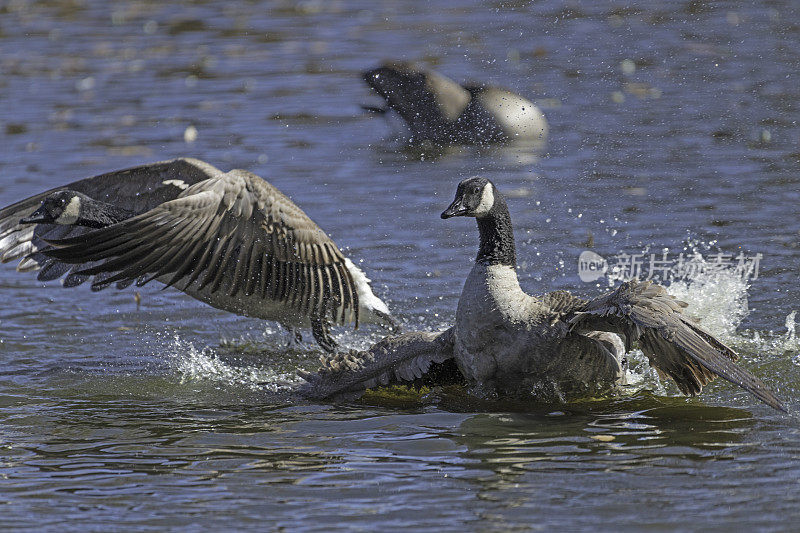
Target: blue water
673 125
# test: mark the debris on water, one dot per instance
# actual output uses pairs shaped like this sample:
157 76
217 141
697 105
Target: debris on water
589 243
519 192
15 128
190 134
642 90
85 84
636 191
628 67
138 299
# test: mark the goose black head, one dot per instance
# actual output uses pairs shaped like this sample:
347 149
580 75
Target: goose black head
61 207
475 197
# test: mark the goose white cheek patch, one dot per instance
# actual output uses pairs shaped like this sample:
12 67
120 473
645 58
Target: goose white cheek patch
487 201
71 212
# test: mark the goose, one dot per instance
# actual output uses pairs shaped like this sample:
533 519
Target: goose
437 109
229 239
506 342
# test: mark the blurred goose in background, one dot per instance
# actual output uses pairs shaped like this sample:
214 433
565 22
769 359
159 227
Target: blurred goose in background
229 239
437 109
506 342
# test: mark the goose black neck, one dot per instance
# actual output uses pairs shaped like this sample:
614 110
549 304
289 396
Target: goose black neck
497 236
96 214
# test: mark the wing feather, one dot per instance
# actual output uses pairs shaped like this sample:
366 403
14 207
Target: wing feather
676 346
233 233
395 359
135 189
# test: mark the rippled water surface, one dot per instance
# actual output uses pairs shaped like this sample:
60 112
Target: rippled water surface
673 125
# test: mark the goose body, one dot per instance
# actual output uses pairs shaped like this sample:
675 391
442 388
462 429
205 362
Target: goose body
229 239
436 108
507 342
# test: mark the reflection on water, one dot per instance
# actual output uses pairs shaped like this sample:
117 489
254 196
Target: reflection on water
518 153
672 124
507 464
615 441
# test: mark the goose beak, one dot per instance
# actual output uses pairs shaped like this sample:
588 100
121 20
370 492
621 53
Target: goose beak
37 217
456 209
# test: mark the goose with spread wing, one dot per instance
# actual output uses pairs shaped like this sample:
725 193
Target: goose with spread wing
229 239
437 109
506 342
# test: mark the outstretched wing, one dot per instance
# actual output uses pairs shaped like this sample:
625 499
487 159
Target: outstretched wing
136 189
674 344
233 240
395 359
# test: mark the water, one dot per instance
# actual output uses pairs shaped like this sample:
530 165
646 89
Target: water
673 125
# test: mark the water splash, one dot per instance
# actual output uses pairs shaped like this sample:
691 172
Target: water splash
719 301
206 365
790 324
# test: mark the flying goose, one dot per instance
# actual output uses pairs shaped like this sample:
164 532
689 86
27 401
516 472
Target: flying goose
439 110
506 342
229 239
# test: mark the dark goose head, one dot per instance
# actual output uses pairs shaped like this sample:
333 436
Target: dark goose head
478 197
61 207
71 208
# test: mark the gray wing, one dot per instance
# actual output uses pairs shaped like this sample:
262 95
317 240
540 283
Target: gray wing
136 189
395 359
562 302
233 240
674 344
